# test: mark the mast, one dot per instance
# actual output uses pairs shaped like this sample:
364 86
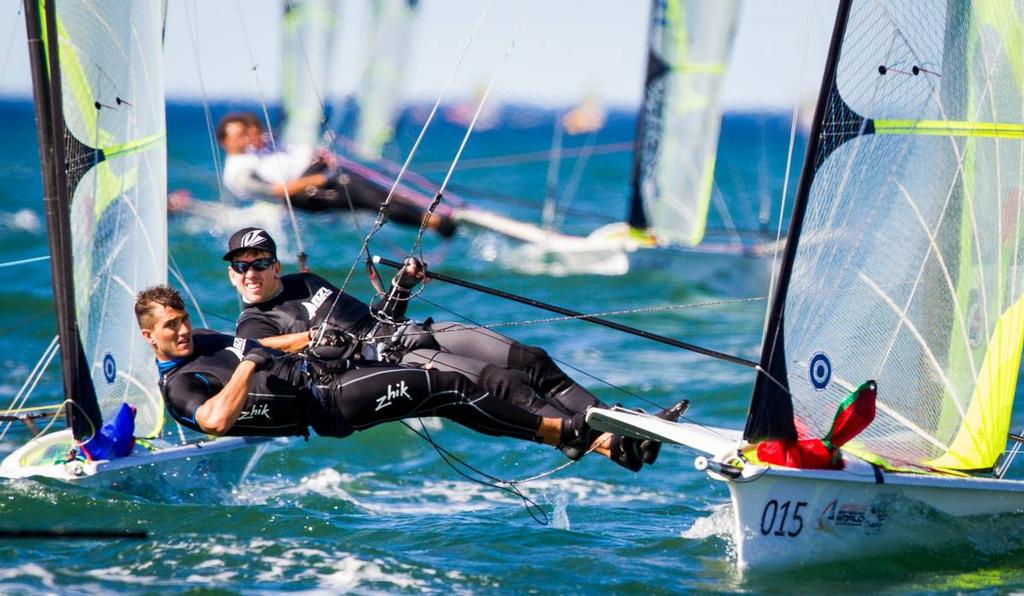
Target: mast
82 412
771 408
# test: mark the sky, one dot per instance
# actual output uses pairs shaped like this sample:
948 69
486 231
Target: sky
564 50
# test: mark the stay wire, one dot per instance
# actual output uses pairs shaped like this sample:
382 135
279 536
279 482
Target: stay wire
270 136
382 213
416 249
210 130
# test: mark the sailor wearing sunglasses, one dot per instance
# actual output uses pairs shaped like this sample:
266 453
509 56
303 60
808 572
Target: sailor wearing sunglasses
287 312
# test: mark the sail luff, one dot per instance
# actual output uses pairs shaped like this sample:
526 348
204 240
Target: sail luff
656 68
771 408
82 412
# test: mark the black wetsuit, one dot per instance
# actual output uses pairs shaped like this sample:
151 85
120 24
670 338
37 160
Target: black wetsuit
520 374
332 397
306 301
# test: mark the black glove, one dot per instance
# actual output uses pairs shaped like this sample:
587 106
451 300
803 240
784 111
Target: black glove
411 273
412 336
260 356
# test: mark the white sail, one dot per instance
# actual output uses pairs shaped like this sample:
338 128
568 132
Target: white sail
908 269
690 43
309 27
379 94
111 67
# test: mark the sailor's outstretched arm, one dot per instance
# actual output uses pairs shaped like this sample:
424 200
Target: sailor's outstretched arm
219 413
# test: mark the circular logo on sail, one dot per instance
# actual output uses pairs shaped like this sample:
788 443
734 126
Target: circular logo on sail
109 368
821 370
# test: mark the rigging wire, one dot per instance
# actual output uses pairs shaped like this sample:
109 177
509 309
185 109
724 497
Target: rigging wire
789 164
32 380
214 153
10 43
24 261
528 157
382 212
176 271
576 177
270 136
469 131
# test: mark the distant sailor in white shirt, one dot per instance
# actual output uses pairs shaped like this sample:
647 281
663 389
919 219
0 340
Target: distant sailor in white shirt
312 180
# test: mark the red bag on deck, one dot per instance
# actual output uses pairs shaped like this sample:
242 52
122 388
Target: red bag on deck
854 414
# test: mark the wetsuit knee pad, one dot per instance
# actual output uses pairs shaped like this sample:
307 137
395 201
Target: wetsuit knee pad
509 385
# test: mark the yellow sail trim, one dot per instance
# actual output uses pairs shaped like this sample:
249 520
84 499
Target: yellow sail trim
111 186
988 418
949 128
76 81
715 68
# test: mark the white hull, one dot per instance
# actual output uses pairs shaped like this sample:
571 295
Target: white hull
786 517
725 264
42 457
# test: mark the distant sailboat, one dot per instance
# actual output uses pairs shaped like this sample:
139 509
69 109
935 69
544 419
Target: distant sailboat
900 299
674 159
100 116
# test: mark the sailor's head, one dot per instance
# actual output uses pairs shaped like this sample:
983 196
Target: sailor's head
239 131
164 322
253 267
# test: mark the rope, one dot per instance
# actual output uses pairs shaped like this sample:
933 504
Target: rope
486 479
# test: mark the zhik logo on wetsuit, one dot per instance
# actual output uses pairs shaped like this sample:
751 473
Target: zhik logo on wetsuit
394 391
257 410
314 303
253 238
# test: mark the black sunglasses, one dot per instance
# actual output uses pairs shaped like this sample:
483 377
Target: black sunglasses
241 267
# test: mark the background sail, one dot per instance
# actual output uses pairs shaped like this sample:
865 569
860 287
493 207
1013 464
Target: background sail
908 268
309 27
379 94
113 106
690 42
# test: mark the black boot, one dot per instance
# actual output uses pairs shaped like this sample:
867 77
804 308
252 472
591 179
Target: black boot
651 448
627 453
577 436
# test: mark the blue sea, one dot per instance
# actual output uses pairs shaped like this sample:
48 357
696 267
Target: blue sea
382 512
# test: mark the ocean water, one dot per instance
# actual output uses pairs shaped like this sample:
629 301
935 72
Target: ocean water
381 511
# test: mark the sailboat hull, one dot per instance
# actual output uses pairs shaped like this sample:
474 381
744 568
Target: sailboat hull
787 518
43 457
